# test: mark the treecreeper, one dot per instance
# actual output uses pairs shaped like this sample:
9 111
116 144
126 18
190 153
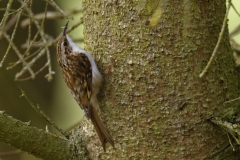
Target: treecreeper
83 78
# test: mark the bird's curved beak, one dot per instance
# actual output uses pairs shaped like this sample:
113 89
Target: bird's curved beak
65 29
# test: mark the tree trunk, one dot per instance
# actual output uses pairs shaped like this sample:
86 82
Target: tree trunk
151 53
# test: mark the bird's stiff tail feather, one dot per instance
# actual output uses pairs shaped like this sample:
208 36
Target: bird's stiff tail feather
100 128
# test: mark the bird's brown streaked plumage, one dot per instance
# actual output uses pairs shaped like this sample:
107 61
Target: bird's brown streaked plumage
83 79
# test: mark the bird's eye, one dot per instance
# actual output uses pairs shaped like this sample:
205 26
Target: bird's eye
65 44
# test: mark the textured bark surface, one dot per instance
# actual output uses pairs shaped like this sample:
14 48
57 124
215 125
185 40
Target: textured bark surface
151 68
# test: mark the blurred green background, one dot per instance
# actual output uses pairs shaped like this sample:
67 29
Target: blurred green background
53 97
234 20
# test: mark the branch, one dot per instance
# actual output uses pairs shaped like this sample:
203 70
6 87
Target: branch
36 141
233 129
218 42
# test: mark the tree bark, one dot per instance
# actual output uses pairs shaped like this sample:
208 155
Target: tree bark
151 53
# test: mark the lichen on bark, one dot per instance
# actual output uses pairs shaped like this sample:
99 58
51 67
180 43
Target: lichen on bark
153 69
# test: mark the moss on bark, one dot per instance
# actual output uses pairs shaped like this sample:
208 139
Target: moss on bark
151 70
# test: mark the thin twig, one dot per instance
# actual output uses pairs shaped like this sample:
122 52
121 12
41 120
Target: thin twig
235 31
14 64
12 37
25 64
30 43
42 114
49 15
40 54
28 59
37 72
11 40
54 4
10 23
5 16
40 29
218 42
29 30
50 72
232 100
14 31
75 25
34 44
230 141
70 28
31 15
234 8
21 8
231 128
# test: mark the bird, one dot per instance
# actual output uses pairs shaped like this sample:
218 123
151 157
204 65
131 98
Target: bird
83 78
